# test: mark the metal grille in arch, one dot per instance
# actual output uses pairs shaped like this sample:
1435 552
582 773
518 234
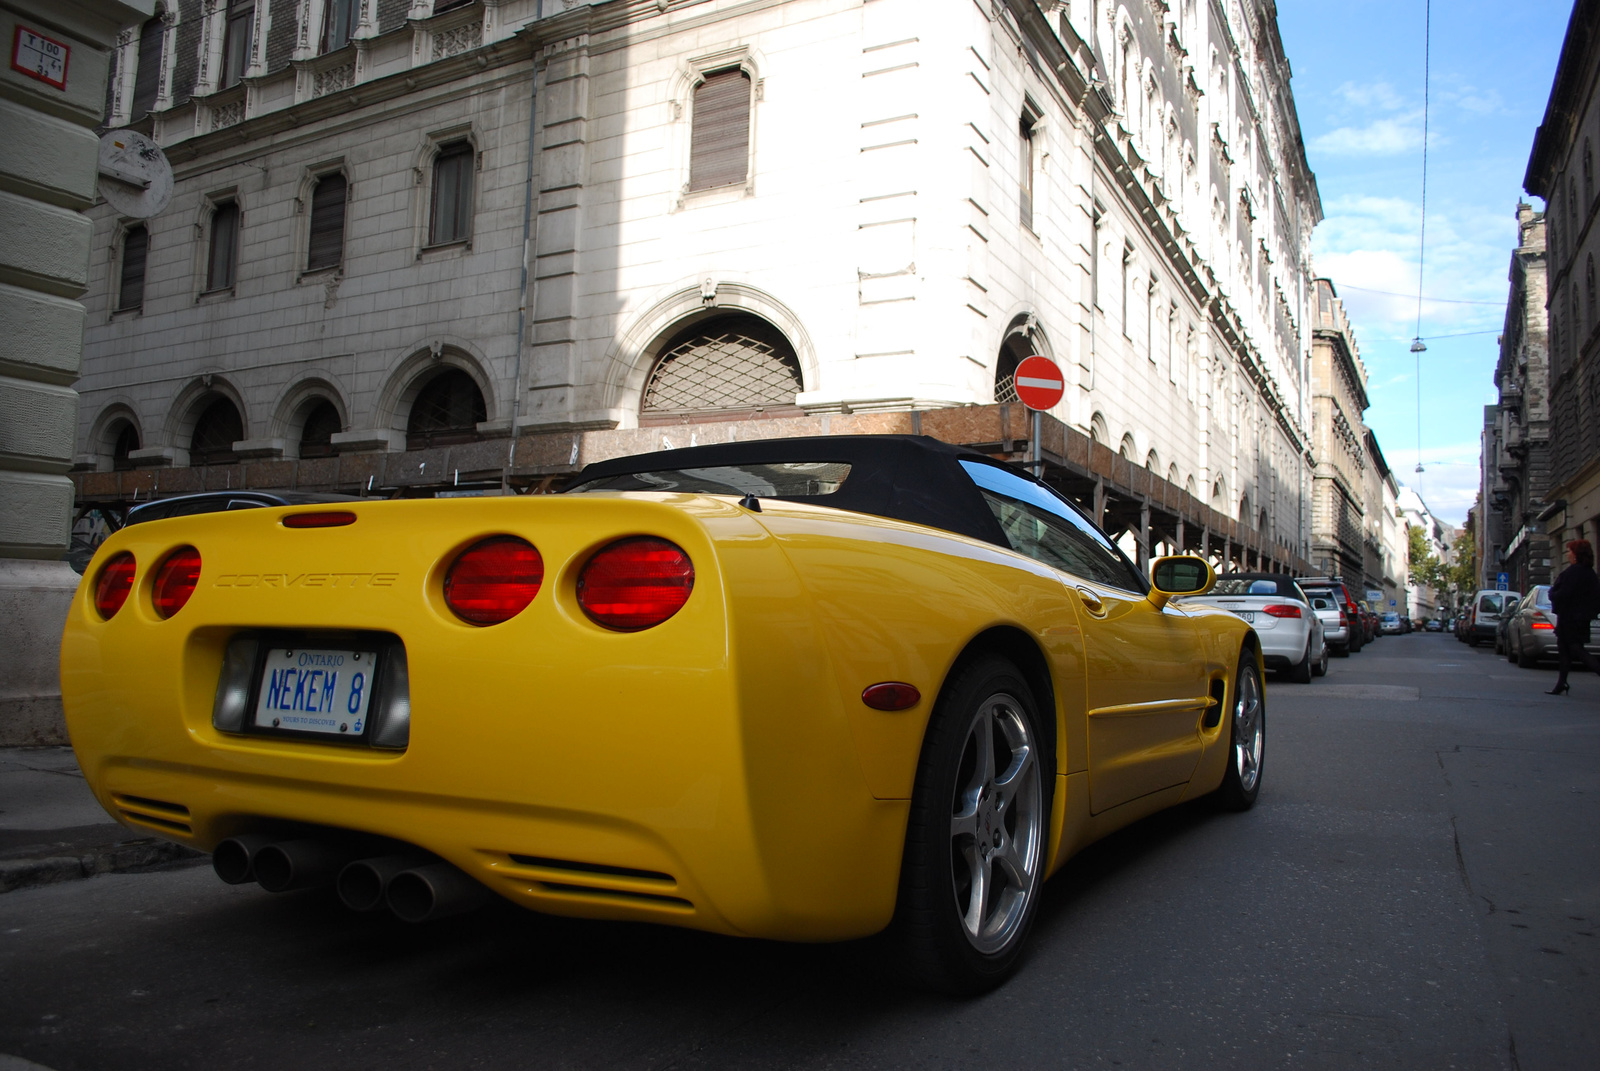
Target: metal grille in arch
732 363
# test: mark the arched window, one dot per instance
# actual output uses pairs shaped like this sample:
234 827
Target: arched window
1098 431
1128 447
1013 351
126 443
447 410
1152 461
1262 527
1219 496
218 428
316 435
1172 473
147 77
728 366
1244 509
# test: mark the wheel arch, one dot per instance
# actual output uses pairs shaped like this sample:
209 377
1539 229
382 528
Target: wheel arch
1016 646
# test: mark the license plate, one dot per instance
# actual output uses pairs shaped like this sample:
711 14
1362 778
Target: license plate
1247 615
315 690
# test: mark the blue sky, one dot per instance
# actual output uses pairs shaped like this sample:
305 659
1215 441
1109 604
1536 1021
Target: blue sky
1357 80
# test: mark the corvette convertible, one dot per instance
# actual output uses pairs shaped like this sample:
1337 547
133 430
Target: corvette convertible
809 689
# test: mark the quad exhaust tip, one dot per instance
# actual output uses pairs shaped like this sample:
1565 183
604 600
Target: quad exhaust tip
435 891
405 882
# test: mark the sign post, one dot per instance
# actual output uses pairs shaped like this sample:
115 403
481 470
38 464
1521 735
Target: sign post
1040 386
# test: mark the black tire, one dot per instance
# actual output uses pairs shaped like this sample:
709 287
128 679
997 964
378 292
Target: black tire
1247 718
940 938
1300 672
1511 655
1342 651
1319 668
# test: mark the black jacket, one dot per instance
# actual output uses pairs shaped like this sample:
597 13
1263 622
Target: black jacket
1575 597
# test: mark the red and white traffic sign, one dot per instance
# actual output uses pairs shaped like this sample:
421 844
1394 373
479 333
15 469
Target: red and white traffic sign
1039 383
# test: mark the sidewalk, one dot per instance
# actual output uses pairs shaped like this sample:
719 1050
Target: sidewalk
52 828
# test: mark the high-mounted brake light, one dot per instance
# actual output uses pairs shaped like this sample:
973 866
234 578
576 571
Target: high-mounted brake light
493 580
1281 609
112 586
175 581
331 518
635 584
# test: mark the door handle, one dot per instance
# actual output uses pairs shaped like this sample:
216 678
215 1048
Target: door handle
1091 602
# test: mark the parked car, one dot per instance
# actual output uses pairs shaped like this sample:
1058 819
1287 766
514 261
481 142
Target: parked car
1335 623
1507 610
1282 615
1347 600
1391 625
1482 618
1433 625
807 689
1531 630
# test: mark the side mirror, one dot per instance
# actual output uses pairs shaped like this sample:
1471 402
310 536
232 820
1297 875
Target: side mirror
1179 574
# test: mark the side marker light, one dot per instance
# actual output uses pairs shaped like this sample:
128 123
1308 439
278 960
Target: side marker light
891 695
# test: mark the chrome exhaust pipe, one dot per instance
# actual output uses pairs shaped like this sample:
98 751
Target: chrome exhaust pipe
435 891
363 884
235 858
298 864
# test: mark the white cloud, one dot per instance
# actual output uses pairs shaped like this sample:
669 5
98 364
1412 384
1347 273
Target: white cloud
1450 483
1371 95
1381 137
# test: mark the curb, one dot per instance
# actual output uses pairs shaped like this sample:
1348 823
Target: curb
130 857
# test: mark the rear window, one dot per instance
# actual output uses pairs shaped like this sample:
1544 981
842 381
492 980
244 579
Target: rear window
1489 604
1322 601
771 479
1245 585
1541 597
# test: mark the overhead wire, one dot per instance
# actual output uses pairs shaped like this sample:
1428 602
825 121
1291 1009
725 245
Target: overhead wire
1417 346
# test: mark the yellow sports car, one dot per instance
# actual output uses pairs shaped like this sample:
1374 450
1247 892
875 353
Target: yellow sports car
805 689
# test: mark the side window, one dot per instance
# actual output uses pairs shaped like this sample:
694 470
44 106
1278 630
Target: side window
135 245
450 219
1046 528
222 259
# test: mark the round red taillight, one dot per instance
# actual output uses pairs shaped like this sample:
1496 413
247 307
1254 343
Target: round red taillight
112 586
175 581
635 584
493 580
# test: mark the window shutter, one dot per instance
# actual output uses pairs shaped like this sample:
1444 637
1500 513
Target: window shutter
135 245
147 80
327 223
719 146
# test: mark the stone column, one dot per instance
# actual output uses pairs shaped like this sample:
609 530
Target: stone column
48 173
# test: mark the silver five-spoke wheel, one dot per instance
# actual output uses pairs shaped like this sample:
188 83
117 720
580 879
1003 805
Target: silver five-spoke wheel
1247 737
996 824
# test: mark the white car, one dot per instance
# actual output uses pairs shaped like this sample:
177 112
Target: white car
1335 624
1290 630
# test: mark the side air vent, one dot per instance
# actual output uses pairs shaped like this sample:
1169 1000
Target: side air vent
599 881
158 814
1219 696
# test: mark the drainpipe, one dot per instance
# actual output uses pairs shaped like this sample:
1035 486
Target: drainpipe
524 287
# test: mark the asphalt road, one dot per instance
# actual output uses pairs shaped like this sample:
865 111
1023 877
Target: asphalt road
1418 888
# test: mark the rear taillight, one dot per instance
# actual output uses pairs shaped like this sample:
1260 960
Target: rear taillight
493 580
1344 622
112 586
1542 624
175 581
1281 609
635 584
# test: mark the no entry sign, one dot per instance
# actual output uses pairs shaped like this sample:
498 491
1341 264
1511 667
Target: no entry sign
1039 383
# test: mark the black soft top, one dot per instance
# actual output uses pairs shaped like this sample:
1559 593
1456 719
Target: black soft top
904 477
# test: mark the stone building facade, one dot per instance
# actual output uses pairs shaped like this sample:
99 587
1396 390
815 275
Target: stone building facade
1516 438
1339 495
50 97
418 244
1385 549
1561 169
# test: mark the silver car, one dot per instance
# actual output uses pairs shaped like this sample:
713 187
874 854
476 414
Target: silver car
1531 632
1289 630
1335 625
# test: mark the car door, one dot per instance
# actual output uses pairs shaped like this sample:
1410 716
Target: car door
1147 680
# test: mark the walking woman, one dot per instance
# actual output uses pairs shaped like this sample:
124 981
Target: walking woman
1575 597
